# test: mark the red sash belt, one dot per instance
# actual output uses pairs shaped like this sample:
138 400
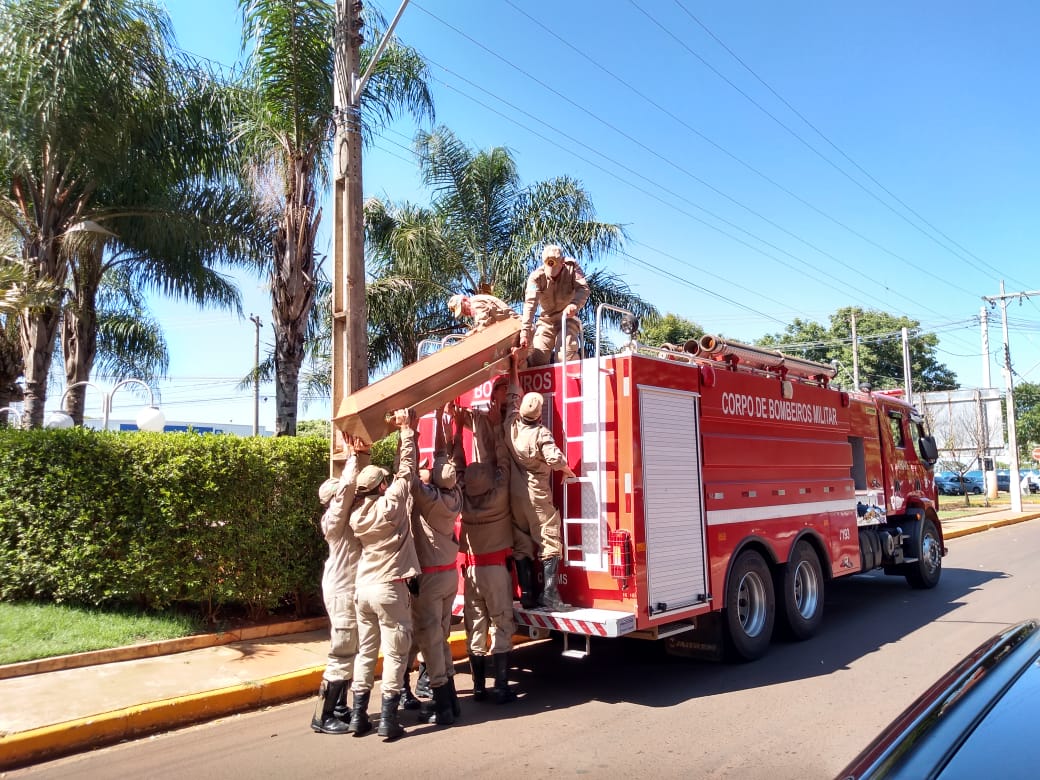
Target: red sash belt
497 558
432 569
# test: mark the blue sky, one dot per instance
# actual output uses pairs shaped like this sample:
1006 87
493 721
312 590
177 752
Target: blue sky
769 160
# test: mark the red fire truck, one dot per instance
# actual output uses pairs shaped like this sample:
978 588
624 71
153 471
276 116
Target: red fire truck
719 488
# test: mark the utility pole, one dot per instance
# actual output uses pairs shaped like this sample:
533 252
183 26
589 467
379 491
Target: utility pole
987 378
906 367
256 375
1013 487
855 355
349 315
989 465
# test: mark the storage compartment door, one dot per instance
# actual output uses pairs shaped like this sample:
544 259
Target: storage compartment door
672 500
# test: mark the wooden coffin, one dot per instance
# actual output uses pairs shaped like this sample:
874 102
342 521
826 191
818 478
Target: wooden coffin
428 383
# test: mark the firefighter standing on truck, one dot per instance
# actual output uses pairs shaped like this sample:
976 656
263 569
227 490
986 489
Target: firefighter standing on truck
386 577
337 590
489 430
437 506
558 286
487 532
536 451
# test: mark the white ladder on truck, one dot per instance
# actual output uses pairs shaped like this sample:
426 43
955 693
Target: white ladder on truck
584 531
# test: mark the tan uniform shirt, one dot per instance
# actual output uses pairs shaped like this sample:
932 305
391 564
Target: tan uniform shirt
344 547
487 521
487 309
383 525
534 447
553 294
433 523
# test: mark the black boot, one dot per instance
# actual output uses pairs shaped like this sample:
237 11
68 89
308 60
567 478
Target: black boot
342 709
501 691
477 669
326 721
525 579
551 595
456 708
409 702
388 725
359 722
422 683
441 712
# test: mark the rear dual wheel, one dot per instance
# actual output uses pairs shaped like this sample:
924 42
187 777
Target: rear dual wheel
750 606
801 586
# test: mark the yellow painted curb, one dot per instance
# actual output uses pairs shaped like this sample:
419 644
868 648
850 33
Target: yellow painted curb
955 533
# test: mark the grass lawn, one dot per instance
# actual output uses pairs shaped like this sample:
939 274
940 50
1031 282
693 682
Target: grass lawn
29 631
952 507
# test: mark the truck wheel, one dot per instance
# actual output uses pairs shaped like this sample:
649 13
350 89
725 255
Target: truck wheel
924 573
802 589
750 606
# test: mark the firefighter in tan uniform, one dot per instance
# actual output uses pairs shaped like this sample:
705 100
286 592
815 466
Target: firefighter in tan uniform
386 575
337 589
558 286
483 308
487 532
437 505
536 451
489 430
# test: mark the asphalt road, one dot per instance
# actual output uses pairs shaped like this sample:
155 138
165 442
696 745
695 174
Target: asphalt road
801 712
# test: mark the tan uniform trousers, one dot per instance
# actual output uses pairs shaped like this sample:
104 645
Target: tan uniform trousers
343 646
546 533
384 613
431 615
525 519
546 336
489 609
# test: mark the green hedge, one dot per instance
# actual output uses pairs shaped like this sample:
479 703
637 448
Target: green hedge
96 518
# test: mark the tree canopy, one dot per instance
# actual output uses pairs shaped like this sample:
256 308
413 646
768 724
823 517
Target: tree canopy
879 351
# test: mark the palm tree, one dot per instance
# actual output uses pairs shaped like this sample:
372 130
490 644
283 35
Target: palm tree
287 130
87 101
482 233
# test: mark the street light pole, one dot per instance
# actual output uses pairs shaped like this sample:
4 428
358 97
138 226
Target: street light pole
150 418
256 376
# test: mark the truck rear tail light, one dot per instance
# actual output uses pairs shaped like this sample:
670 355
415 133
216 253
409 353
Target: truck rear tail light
620 543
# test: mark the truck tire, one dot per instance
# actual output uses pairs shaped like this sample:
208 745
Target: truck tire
924 573
801 588
750 607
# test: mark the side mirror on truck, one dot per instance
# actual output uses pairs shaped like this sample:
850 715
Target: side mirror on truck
929 450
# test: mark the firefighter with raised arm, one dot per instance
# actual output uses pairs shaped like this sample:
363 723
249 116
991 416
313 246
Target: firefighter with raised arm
437 505
558 286
487 533
337 590
387 576
535 451
489 430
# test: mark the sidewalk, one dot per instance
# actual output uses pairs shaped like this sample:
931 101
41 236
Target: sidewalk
62 705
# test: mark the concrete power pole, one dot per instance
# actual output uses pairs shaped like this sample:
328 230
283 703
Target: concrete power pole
349 314
987 379
855 355
1013 487
907 383
349 317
